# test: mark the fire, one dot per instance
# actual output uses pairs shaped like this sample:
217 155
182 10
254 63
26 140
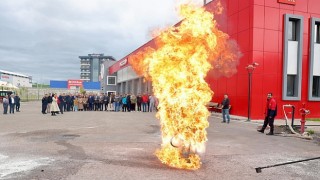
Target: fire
177 68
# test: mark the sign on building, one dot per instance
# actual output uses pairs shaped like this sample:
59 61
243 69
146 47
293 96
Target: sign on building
75 84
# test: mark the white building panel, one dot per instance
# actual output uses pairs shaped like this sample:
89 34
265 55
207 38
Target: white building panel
120 76
21 82
131 73
316 61
292 67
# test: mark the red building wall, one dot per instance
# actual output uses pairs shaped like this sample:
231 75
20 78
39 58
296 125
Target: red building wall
257 26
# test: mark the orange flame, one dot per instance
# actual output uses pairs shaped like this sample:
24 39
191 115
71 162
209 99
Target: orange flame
177 69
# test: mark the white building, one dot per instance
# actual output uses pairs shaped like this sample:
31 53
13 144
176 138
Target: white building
17 79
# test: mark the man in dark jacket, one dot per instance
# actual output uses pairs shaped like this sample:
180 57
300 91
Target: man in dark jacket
225 109
91 102
68 102
139 102
45 104
129 102
17 100
270 114
62 102
106 101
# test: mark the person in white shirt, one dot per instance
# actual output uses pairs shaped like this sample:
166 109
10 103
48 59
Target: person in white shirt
11 103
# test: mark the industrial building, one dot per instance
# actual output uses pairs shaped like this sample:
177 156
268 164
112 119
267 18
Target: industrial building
90 66
282 37
16 79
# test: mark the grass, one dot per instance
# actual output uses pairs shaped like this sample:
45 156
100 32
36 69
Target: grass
310 131
313 119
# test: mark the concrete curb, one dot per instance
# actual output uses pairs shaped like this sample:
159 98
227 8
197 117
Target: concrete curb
278 122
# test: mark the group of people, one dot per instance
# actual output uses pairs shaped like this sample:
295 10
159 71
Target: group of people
54 104
13 102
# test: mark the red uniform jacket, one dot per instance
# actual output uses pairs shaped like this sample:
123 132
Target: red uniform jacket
271 107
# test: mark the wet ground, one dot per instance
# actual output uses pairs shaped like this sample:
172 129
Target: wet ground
117 145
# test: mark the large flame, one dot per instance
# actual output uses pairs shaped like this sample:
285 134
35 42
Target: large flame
177 68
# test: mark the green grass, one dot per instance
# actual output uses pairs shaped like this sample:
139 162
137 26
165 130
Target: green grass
313 119
310 131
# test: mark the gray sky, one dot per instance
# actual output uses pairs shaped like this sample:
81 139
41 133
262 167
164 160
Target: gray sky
43 38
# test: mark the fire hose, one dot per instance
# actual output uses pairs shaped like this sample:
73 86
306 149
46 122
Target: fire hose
296 134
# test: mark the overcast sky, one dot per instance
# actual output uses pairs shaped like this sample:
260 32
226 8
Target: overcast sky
43 38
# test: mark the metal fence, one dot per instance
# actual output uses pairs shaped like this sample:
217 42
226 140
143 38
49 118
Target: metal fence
35 94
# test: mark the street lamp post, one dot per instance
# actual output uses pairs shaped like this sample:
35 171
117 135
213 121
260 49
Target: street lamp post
250 69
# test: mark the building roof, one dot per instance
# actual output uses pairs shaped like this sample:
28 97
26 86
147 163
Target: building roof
98 56
13 73
151 43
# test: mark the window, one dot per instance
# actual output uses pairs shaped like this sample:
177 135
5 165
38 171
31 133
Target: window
292 30
95 70
316 86
317 33
314 61
111 80
291 79
292 57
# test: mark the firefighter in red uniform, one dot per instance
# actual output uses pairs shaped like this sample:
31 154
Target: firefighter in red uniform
270 113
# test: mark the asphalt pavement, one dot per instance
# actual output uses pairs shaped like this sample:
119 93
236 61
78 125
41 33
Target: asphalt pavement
121 145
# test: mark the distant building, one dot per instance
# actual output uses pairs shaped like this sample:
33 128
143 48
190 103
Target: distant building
91 65
17 79
108 81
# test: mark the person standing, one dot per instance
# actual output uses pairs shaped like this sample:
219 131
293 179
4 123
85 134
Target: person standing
11 103
72 97
145 101
44 101
80 99
116 103
133 100
49 102
59 102
5 102
96 102
124 103
17 100
120 102
106 101
75 104
151 103
270 114
54 106
111 102
129 102
85 103
225 109
139 102
101 102
62 102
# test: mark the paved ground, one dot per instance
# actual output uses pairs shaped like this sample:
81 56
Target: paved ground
109 145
